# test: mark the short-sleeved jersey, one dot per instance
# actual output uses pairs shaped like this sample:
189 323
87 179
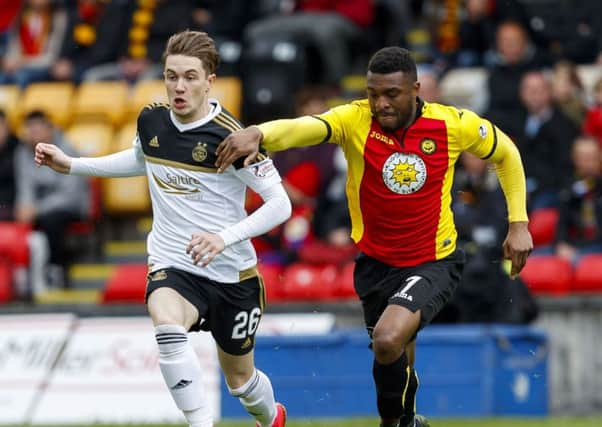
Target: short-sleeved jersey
189 196
399 183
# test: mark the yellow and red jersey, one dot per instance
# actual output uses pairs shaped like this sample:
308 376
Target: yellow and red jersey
399 183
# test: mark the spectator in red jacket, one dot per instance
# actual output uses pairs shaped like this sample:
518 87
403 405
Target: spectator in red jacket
593 120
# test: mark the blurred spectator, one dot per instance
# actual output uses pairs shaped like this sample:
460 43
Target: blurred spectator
593 120
9 9
485 293
567 92
151 23
477 33
8 144
47 200
330 27
224 19
544 143
94 33
305 173
34 43
429 85
514 55
579 226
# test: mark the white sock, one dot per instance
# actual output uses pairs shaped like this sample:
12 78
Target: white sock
182 374
257 396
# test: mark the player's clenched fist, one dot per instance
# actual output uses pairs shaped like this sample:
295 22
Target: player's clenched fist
203 247
53 157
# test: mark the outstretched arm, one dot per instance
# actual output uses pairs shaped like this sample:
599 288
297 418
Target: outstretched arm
518 243
124 163
276 135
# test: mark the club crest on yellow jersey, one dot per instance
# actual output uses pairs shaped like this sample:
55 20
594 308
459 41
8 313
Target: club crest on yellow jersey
404 173
428 146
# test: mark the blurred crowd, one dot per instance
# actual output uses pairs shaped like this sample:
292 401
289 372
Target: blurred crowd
295 57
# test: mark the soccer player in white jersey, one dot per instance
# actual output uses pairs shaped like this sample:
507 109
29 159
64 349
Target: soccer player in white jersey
208 281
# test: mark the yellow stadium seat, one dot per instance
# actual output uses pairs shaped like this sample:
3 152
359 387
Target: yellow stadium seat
126 196
101 101
90 139
228 90
55 99
9 103
144 93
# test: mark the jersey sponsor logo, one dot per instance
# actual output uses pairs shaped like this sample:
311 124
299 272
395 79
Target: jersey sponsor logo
158 275
382 138
154 142
177 184
261 170
404 173
483 130
428 146
199 153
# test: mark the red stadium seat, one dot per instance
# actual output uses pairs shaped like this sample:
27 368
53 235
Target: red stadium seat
6 281
309 282
126 285
588 274
548 274
542 225
344 286
13 242
272 279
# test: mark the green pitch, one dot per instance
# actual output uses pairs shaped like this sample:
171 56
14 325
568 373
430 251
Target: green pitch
373 422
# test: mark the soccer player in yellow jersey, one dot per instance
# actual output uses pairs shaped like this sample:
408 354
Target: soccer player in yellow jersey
401 153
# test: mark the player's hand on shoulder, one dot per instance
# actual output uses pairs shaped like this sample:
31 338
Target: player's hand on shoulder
203 247
241 143
52 156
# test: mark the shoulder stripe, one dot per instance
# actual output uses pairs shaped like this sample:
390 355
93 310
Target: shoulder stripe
494 143
226 124
181 165
328 128
153 105
226 118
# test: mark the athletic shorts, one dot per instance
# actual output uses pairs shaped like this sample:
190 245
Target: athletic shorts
426 287
230 311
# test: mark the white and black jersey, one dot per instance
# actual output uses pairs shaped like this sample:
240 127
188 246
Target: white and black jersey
189 196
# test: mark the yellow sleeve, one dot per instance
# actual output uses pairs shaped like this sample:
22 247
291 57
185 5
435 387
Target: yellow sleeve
481 138
330 126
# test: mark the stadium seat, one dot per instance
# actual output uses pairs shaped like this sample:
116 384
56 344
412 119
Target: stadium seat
90 139
228 91
344 281
6 281
125 196
548 274
13 242
54 98
101 101
88 225
542 225
127 284
9 102
460 85
588 274
309 282
272 279
143 93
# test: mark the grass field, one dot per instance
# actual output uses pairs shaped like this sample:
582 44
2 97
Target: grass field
373 422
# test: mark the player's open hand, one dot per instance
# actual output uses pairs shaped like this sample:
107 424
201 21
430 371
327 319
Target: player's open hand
203 247
517 246
53 157
241 143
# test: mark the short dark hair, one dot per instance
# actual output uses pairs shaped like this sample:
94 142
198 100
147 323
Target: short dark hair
194 43
37 115
392 59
